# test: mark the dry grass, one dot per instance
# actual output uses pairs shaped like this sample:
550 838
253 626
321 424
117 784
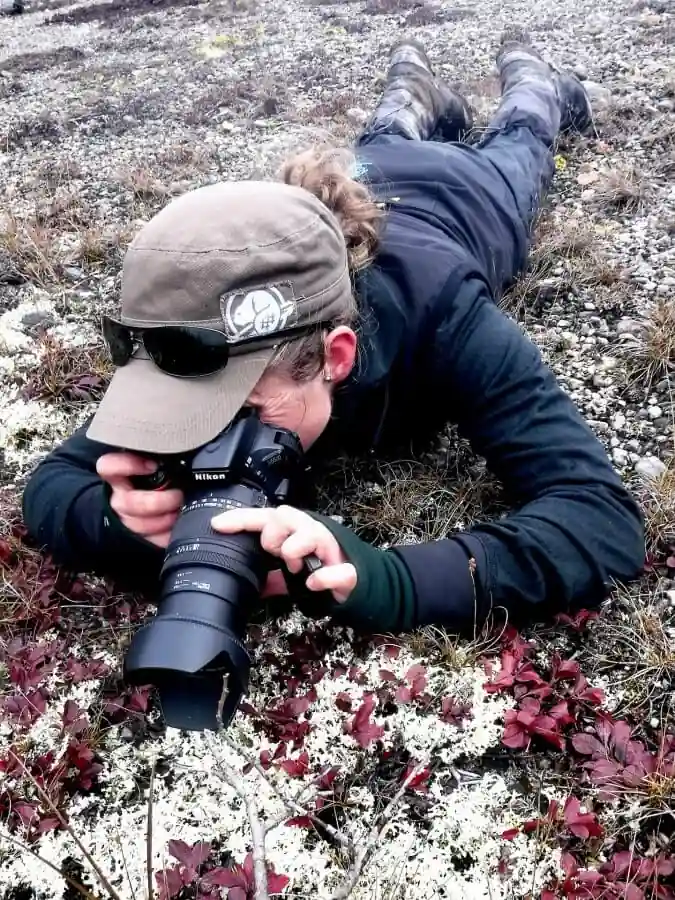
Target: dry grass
657 499
650 354
621 191
634 647
29 251
563 259
451 651
143 184
410 501
69 376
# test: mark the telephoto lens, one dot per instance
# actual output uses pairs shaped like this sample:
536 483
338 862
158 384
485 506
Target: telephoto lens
193 649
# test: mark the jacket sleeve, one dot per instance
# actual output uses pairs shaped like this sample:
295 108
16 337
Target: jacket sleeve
575 529
66 512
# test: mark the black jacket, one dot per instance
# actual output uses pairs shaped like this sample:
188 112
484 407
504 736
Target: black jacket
434 348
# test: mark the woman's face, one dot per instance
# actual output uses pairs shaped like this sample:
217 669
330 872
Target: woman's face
302 407
305 406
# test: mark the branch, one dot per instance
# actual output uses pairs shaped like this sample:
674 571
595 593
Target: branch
293 804
258 830
374 837
148 846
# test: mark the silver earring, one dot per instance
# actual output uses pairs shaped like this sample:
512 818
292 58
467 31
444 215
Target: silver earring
327 376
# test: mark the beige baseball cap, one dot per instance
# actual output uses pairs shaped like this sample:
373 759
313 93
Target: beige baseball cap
249 259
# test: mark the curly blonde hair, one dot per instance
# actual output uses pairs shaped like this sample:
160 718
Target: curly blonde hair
327 174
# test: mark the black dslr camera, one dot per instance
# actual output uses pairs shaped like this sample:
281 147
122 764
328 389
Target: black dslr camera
193 649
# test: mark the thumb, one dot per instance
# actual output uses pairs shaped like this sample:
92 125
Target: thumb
340 579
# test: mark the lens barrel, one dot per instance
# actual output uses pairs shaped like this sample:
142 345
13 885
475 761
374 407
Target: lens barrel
193 649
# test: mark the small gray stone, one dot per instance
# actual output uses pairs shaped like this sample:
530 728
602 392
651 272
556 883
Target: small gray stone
654 412
650 467
620 456
628 326
37 317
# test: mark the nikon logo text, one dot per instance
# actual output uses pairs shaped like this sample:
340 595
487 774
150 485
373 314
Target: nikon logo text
210 476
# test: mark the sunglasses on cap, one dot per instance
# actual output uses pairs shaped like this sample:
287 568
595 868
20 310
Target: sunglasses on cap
185 351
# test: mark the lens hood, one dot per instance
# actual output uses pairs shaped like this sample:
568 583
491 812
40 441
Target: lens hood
200 670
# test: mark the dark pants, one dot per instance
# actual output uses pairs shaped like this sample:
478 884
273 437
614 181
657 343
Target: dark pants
507 172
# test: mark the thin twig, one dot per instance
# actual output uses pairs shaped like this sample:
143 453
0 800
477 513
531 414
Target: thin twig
374 837
293 804
52 807
148 843
257 827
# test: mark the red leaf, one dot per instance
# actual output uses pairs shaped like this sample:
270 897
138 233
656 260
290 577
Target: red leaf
588 745
453 712
360 727
510 833
561 713
563 669
419 781
222 877
296 768
386 675
74 718
26 812
237 893
515 738
191 855
326 779
582 825
169 882
344 702
603 770
550 735
299 822
276 883
403 694
392 651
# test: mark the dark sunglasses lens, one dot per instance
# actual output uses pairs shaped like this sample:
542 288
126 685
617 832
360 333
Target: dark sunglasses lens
187 352
119 342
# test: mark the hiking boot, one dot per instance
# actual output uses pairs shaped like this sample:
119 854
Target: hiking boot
517 60
456 120
414 102
575 105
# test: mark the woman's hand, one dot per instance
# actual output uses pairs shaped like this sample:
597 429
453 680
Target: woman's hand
150 514
290 535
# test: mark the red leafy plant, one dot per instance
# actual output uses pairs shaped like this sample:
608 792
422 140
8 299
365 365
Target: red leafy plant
619 763
360 727
192 871
626 876
573 818
546 705
325 795
76 770
528 721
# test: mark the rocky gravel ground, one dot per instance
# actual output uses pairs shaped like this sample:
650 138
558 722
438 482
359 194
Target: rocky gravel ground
532 765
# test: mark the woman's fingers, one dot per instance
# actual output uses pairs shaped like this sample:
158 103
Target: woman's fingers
292 535
340 579
151 526
117 468
146 504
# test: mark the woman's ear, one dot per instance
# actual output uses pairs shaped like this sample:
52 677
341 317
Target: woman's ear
340 347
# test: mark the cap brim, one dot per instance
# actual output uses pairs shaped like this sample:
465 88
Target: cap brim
148 411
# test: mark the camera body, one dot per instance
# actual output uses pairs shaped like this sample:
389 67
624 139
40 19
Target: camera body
193 649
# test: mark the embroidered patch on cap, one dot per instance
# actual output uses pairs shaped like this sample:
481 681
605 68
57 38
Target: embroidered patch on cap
258 312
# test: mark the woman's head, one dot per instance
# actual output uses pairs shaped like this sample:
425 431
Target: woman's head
265 267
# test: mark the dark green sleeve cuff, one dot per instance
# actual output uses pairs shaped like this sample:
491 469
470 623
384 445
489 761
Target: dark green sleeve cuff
384 597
